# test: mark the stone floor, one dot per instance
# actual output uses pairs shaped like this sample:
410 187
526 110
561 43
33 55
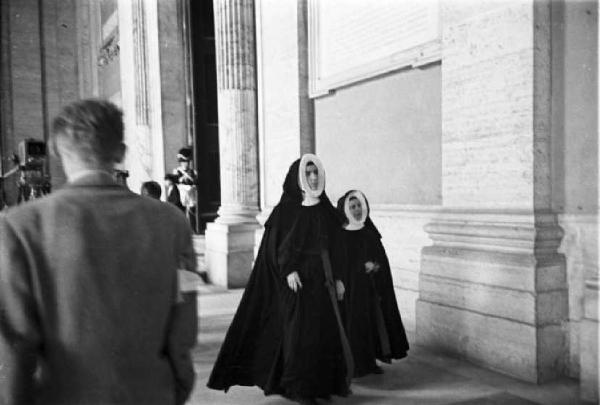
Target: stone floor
422 378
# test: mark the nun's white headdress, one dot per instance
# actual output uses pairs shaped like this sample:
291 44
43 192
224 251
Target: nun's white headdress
311 197
353 223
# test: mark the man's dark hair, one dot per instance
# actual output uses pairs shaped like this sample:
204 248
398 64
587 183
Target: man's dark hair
152 189
92 128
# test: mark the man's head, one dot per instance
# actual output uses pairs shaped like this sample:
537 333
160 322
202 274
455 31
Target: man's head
151 189
88 134
184 157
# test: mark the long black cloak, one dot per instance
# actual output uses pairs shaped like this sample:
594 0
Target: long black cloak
284 342
373 323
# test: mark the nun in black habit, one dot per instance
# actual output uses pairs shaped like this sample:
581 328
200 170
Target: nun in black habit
287 336
372 320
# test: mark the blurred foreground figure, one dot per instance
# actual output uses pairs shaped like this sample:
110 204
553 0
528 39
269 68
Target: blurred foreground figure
90 311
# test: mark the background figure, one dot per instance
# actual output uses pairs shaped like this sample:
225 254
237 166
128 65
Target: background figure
151 189
88 282
373 322
286 336
120 176
172 191
187 180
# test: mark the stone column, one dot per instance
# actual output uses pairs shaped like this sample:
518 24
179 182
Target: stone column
141 100
230 239
493 287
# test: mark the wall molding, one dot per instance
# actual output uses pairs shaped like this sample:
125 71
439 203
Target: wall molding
395 51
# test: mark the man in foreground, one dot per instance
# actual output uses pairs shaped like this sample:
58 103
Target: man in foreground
89 308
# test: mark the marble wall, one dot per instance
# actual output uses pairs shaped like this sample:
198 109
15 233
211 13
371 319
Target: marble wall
402 228
574 168
488 73
574 107
580 247
285 119
172 78
383 136
493 287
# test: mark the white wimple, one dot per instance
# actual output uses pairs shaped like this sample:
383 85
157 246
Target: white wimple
310 196
353 224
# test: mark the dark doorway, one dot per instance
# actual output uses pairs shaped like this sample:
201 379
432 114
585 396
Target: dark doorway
206 128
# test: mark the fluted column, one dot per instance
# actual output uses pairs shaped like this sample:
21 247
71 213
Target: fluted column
236 89
230 239
139 60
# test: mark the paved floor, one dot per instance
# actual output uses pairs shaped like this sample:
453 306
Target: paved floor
422 378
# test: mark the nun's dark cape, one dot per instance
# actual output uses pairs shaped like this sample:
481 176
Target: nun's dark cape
369 297
284 342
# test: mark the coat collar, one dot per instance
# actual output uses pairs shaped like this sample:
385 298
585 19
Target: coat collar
92 178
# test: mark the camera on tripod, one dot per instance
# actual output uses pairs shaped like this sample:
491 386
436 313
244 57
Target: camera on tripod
32 155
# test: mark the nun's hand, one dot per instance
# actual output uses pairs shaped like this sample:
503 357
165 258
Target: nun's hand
293 280
339 289
370 266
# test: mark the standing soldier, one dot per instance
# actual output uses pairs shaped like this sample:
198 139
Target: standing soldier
187 181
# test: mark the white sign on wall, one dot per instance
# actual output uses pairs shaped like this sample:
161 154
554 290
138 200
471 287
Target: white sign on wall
352 40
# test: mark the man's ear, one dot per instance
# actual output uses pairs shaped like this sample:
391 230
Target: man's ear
53 146
120 153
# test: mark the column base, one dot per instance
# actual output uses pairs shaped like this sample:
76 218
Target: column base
230 253
237 214
493 290
589 380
